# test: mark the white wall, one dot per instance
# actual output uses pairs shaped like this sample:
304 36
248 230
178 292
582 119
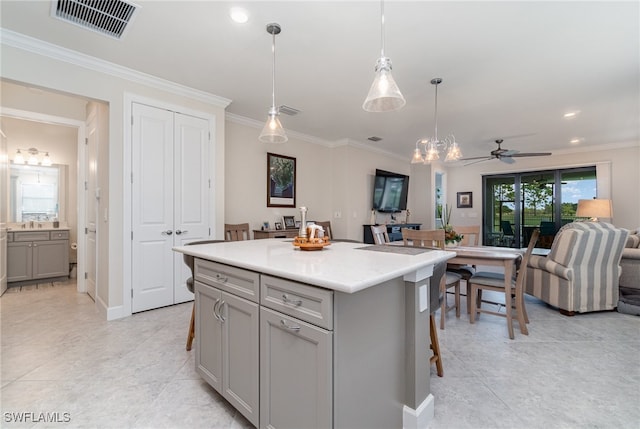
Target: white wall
329 180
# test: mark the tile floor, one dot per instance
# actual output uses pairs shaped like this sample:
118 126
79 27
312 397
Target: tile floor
59 356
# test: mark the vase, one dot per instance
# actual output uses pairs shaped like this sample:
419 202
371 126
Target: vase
453 244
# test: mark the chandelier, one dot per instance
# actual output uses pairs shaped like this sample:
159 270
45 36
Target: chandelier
432 147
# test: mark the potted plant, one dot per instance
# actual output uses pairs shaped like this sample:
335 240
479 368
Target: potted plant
451 237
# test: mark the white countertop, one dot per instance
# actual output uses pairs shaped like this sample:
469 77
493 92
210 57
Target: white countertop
48 228
340 266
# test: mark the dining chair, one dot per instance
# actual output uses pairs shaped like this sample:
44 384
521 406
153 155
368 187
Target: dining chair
190 261
379 233
435 298
470 238
434 238
514 297
236 232
326 225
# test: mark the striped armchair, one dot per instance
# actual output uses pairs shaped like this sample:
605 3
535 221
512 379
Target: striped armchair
581 271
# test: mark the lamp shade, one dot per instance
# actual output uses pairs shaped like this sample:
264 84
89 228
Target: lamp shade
595 208
384 94
272 132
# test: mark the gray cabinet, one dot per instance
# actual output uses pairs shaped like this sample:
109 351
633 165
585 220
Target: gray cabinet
295 373
33 255
227 336
296 355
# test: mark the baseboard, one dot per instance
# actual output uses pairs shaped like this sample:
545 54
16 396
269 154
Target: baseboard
420 417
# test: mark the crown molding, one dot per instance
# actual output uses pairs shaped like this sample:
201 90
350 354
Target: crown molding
46 49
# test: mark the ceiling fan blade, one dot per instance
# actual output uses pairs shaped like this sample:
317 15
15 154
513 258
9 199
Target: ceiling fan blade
509 152
478 160
476 157
532 154
507 159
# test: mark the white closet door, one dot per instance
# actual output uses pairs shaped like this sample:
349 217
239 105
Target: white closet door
152 208
191 198
92 201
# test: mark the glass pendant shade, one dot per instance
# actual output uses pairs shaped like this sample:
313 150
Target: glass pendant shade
32 160
46 161
384 94
417 156
273 132
18 159
454 153
432 153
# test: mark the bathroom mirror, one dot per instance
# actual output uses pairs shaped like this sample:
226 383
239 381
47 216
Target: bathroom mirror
37 193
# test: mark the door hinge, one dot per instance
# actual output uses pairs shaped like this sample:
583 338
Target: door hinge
132 235
209 232
209 183
86 230
131 293
86 185
131 119
86 140
86 275
132 177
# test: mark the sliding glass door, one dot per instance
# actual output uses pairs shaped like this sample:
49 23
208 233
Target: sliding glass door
514 205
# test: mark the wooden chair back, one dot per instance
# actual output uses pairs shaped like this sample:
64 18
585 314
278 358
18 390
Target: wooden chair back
236 232
326 225
423 237
380 235
470 234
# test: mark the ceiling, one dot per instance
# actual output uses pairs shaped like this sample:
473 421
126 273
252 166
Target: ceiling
510 70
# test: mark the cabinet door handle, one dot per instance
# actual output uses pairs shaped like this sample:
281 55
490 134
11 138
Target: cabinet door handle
222 319
167 232
221 278
215 309
178 232
287 300
289 327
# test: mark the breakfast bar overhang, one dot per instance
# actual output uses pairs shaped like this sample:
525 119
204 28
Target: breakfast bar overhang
337 337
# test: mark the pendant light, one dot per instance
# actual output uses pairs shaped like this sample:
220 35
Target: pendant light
273 131
384 94
433 146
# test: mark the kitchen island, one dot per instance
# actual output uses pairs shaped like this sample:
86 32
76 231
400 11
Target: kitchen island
337 337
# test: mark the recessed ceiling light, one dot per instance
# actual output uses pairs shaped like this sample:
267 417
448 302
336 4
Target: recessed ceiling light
576 140
239 15
570 115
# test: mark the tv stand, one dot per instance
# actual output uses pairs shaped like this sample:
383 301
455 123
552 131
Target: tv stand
394 230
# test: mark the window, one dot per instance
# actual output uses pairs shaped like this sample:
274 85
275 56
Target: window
516 204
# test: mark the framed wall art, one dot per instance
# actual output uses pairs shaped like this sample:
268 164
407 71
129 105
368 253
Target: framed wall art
281 181
465 200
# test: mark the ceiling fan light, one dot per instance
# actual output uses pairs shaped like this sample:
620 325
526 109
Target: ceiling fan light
384 94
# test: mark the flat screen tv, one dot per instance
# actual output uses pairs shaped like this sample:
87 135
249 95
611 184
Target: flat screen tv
390 191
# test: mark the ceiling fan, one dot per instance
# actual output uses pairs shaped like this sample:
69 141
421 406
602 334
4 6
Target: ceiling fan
504 155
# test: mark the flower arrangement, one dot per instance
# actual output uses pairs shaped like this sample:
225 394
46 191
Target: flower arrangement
450 235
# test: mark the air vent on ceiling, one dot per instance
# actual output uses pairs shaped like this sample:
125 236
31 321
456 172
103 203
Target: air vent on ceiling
110 17
375 138
286 110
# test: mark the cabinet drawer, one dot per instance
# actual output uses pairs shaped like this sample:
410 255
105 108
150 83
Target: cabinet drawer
237 281
10 237
31 236
308 303
59 235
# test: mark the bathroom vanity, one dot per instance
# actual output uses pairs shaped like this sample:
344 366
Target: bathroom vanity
34 254
334 338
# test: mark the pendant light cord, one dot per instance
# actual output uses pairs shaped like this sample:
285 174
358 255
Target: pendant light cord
436 114
273 71
382 28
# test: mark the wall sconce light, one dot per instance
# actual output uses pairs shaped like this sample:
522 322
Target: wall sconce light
32 158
